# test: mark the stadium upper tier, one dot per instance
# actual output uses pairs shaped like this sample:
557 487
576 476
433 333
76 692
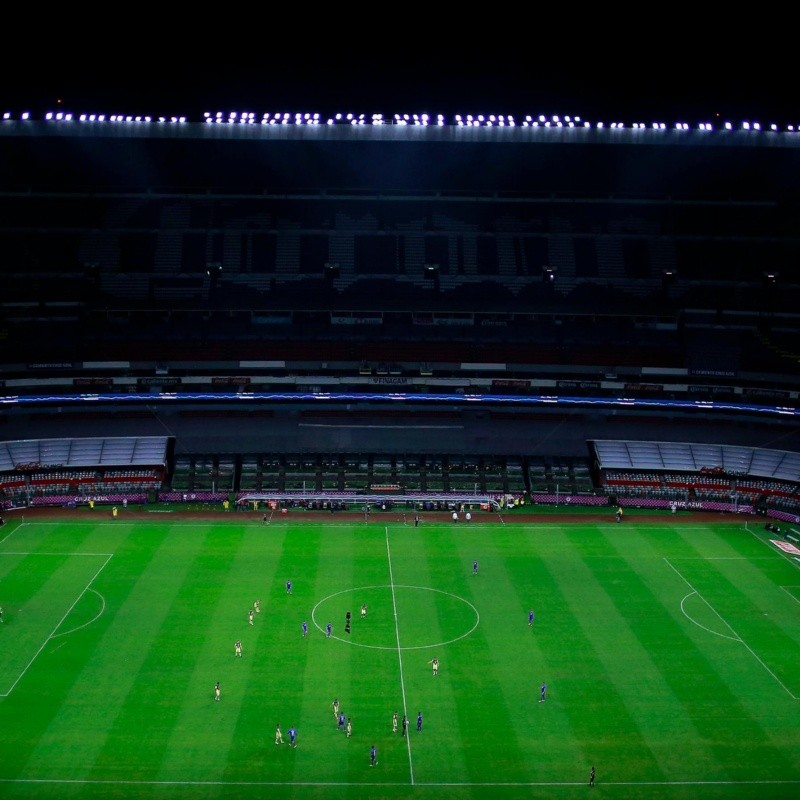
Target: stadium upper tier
270 234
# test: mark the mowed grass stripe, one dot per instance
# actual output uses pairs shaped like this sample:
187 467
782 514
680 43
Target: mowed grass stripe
598 594
146 718
752 603
41 590
273 693
740 576
580 710
373 674
540 745
423 558
688 681
585 639
92 693
36 700
203 742
315 670
718 562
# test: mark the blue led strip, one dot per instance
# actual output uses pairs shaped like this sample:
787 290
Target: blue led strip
400 397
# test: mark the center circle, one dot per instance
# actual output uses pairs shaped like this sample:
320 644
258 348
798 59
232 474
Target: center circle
396 617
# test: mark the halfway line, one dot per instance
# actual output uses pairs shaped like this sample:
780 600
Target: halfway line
399 654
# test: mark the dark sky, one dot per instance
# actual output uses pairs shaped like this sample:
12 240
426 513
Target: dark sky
653 68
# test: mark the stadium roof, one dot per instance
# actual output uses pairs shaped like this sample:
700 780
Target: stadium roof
73 154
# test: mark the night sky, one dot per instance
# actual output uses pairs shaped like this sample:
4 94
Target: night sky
669 69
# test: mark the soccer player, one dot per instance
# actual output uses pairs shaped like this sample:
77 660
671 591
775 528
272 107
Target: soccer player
305 629
543 693
341 721
288 587
591 777
328 629
237 648
373 756
363 610
349 727
394 722
250 616
435 663
217 691
419 722
1 613
474 567
278 734
455 516
335 705
530 618
405 724
257 606
416 520
292 736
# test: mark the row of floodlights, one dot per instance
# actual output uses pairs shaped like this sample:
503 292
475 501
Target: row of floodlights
418 120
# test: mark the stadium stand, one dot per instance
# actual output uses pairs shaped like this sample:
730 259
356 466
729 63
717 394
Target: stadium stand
343 328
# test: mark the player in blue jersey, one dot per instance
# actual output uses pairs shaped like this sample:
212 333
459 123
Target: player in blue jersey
373 756
474 567
328 629
530 619
419 722
305 629
292 736
288 587
543 693
342 721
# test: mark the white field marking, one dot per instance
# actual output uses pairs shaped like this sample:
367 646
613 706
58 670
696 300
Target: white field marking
399 655
85 624
785 556
13 530
58 625
730 628
691 619
15 553
786 589
394 647
345 784
720 558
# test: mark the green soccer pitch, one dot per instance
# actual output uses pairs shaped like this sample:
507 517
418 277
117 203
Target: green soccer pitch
671 653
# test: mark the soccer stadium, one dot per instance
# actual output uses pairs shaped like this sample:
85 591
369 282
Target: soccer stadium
465 444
